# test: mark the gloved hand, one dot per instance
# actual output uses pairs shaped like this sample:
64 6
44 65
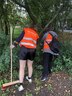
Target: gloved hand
12 46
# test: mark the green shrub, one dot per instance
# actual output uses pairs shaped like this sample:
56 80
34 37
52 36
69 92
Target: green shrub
5 60
5 54
2 41
64 62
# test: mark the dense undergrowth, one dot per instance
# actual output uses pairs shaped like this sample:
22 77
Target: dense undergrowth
62 63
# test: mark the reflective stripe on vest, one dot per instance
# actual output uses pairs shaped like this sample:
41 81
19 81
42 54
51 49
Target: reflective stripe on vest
30 38
29 44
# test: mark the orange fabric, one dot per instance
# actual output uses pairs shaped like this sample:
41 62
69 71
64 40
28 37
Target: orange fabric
48 39
30 38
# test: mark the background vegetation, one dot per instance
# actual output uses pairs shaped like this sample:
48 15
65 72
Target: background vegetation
42 13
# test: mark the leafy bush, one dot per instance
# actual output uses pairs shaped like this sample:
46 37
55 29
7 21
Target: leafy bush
2 41
64 61
5 60
38 60
5 54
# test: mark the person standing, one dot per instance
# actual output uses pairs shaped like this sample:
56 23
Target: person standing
48 54
28 42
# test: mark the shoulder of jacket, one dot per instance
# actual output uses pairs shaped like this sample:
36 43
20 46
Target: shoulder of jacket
53 33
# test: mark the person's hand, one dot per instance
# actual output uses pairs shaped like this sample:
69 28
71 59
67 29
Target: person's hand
12 46
41 49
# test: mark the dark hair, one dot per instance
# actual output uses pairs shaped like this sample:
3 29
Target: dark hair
49 28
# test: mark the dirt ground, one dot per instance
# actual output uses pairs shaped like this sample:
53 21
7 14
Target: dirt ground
58 84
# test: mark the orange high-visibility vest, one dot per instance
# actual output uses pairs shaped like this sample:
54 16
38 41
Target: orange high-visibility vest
30 38
48 39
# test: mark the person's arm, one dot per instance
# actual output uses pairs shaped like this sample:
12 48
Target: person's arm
43 38
16 42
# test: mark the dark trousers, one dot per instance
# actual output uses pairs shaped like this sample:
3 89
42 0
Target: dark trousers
47 63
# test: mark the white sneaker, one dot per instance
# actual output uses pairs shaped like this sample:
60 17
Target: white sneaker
30 80
21 88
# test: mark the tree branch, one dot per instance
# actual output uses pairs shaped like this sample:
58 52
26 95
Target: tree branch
29 11
26 6
53 18
41 33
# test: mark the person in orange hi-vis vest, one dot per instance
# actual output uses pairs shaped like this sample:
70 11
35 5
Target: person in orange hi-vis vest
48 54
28 42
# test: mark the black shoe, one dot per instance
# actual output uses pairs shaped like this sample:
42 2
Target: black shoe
50 71
44 78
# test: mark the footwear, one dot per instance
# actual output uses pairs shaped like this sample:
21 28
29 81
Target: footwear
44 78
21 88
29 79
50 71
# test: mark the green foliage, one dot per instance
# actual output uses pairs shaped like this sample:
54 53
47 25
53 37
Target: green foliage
2 38
57 66
43 11
28 93
64 61
38 63
24 21
67 57
2 41
5 60
16 32
5 54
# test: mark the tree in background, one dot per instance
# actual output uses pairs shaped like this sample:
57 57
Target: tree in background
8 15
41 12
44 12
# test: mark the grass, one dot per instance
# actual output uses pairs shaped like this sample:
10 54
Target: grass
65 36
17 32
